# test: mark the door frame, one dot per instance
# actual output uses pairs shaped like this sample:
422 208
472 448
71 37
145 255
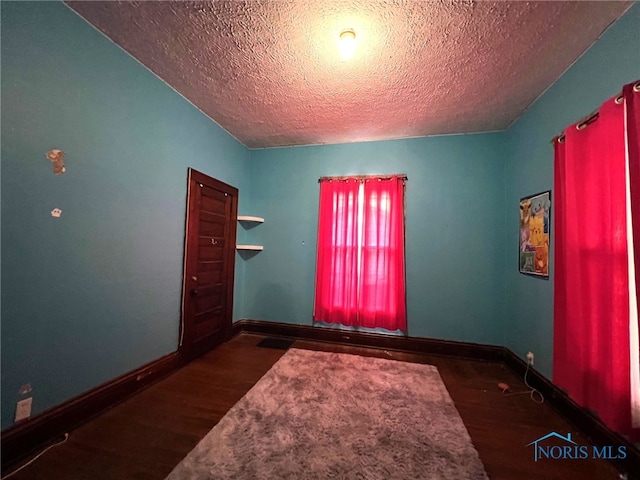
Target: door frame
187 349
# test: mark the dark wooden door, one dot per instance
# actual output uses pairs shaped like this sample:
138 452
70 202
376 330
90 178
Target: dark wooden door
207 298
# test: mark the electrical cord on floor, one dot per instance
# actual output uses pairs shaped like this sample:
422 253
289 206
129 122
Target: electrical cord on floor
66 437
536 396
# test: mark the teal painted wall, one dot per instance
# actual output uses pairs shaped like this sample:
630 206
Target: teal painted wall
598 75
454 230
95 293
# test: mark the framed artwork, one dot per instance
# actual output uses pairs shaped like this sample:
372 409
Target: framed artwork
535 227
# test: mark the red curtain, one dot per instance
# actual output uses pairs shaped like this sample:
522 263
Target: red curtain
631 94
360 277
337 263
591 289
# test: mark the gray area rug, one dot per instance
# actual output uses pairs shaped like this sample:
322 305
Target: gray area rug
319 415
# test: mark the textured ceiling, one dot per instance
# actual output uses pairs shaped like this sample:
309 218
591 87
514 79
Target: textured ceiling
269 72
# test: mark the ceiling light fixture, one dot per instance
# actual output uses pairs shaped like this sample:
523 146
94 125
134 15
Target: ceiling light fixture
347 43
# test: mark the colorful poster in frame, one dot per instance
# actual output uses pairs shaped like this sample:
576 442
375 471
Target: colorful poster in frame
535 228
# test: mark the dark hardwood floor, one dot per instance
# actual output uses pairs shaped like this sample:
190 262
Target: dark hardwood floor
147 435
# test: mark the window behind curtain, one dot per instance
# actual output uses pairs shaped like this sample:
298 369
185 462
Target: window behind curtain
360 278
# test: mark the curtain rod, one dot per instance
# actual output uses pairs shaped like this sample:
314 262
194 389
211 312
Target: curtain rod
402 176
593 116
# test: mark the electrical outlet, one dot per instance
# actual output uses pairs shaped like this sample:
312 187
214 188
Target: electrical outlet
530 358
23 409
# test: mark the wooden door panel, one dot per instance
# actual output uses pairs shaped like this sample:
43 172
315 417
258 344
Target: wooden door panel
211 228
213 205
214 193
208 303
210 290
207 241
206 267
208 328
209 264
208 315
207 278
209 298
217 217
214 316
211 253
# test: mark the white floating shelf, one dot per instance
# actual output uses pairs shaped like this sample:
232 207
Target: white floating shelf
247 218
249 247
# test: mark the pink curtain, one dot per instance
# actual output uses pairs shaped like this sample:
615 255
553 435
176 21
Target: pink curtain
337 263
382 287
631 94
591 289
360 279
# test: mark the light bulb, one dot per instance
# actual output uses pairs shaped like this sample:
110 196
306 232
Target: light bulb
347 43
